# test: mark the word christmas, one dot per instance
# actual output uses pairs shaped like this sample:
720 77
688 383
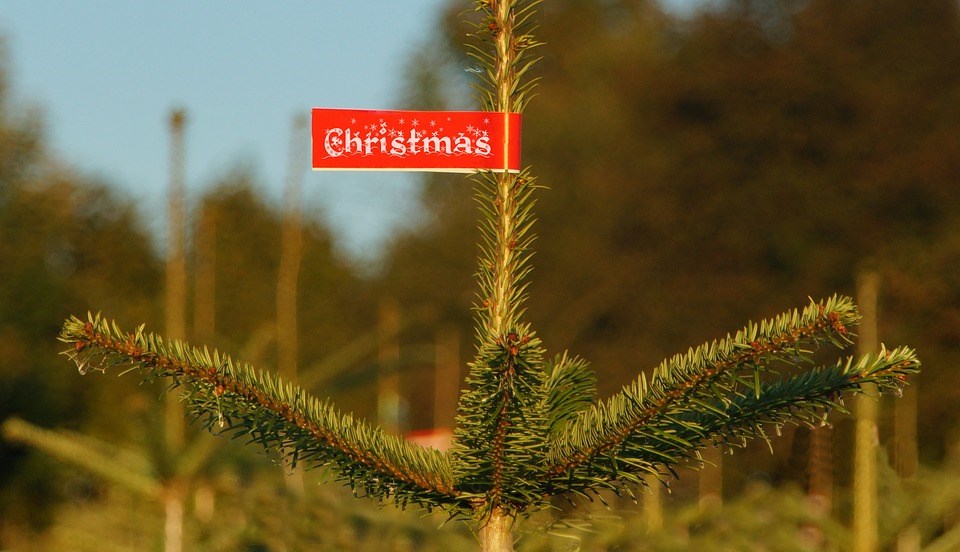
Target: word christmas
447 141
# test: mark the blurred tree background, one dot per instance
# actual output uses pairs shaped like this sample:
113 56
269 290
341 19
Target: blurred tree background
703 169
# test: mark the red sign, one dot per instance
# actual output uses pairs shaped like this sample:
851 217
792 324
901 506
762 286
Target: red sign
445 141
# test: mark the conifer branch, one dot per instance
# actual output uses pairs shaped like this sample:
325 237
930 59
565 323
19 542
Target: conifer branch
526 429
717 392
571 387
807 398
500 434
284 419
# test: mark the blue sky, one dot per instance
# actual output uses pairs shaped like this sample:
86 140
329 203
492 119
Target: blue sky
105 74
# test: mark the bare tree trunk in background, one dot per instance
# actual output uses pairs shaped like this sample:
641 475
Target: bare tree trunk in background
288 273
388 381
821 469
905 455
205 277
653 504
446 377
867 440
175 312
291 254
711 478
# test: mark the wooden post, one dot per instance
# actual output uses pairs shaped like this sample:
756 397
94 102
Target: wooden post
905 455
653 504
867 440
205 277
291 253
388 381
711 478
288 272
820 469
446 377
175 312
819 501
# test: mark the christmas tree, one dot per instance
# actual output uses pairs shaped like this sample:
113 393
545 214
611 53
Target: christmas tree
529 427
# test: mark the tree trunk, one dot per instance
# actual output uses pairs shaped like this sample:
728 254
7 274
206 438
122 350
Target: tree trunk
495 535
175 309
866 440
173 521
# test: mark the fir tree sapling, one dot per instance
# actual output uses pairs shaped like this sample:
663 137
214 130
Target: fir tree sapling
528 428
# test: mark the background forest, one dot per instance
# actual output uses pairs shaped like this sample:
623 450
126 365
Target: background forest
703 170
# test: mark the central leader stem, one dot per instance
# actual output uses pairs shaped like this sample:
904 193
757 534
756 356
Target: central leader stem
502 309
495 534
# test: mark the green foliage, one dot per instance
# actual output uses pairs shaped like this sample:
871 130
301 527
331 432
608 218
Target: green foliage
275 414
527 429
571 388
707 168
761 518
718 393
68 243
500 437
129 469
238 512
